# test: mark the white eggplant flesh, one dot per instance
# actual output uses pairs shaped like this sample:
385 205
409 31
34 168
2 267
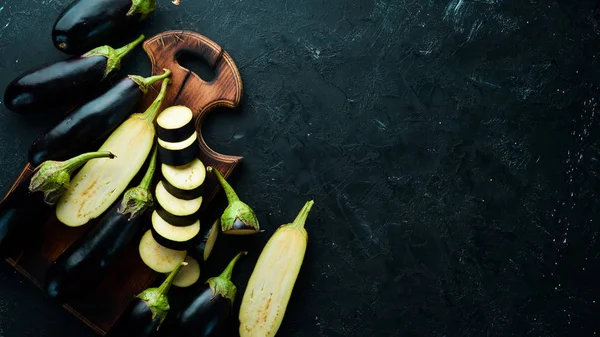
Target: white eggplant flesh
157 257
100 182
176 206
179 145
188 275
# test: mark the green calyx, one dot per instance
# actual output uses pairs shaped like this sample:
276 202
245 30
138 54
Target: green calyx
222 285
238 217
54 177
157 299
114 56
138 199
142 7
150 114
145 83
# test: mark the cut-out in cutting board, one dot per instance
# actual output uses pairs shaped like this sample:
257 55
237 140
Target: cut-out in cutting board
101 309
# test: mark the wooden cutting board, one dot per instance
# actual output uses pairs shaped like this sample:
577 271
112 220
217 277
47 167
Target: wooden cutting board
129 276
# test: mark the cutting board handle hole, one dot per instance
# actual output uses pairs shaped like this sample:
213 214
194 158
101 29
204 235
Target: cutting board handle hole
197 65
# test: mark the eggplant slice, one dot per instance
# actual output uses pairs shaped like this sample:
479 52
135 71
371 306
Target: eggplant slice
188 275
176 206
174 233
158 257
178 157
179 246
185 177
175 220
184 194
175 124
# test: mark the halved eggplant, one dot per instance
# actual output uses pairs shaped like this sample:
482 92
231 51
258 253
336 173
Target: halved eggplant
158 257
55 86
184 194
208 240
100 183
174 233
178 157
185 177
175 124
175 205
175 220
188 275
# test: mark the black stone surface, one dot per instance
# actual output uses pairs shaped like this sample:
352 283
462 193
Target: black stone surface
450 146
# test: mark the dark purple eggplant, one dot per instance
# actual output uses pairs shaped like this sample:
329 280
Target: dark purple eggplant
93 121
85 24
24 210
81 267
210 310
145 314
56 86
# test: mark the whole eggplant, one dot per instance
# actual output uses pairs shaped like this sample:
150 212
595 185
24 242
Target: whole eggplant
145 314
93 121
23 211
56 86
81 267
209 311
86 24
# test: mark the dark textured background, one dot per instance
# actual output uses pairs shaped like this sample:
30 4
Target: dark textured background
450 146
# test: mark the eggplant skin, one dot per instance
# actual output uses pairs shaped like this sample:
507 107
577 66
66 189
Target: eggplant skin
55 86
81 267
136 321
204 316
90 123
21 218
86 24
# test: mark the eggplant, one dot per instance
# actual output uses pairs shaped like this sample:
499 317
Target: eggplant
210 310
183 194
186 181
99 184
24 210
55 86
175 220
238 218
85 24
145 314
81 267
93 121
174 233
175 124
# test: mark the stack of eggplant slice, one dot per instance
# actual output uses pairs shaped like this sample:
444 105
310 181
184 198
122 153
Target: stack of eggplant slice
175 220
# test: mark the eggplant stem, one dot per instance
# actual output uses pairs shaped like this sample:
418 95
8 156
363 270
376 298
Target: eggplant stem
145 83
166 285
229 192
226 274
76 162
147 180
303 215
121 52
152 111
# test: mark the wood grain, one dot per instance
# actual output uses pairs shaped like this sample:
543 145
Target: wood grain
129 276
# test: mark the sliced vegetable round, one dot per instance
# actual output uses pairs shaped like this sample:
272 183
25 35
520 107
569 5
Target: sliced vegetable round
178 157
158 257
169 243
175 233
175 205
184 194
205 247
175 124
185 177
188 275
177 220
179 145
